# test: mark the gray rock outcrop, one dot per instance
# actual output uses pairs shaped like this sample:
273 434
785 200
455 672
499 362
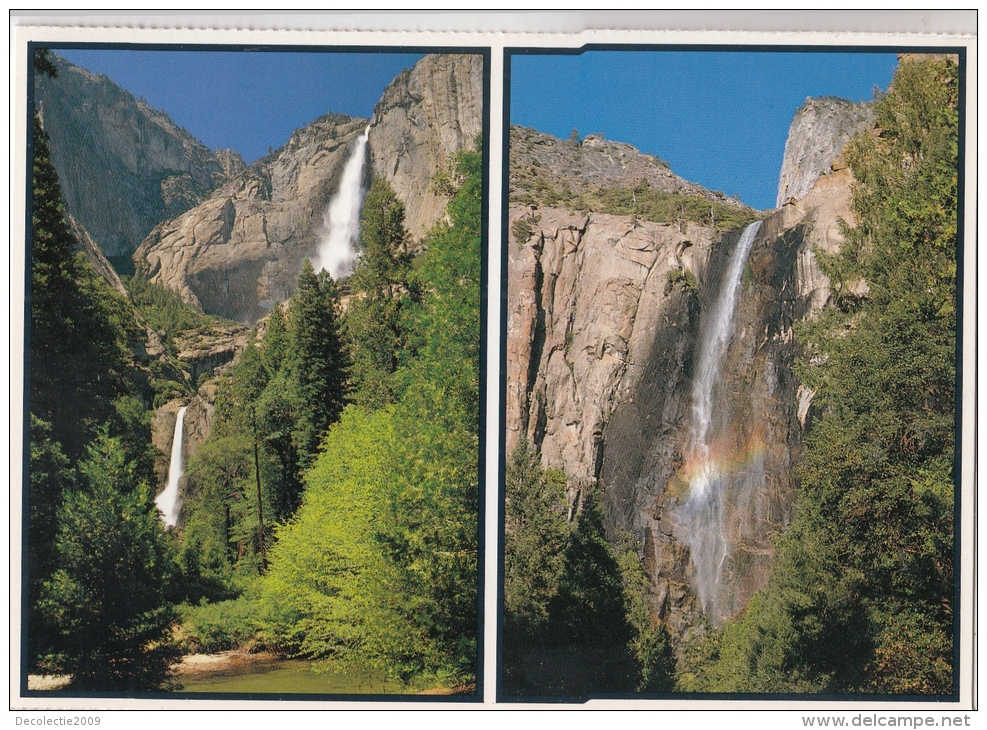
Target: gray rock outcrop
587 294
424 117
242 248
818 132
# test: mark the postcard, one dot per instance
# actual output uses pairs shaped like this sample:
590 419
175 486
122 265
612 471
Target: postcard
476 362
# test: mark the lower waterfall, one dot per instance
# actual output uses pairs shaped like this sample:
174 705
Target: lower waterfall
168 501
718 478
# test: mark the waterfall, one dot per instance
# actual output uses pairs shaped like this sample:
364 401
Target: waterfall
168 501
336 252
712 472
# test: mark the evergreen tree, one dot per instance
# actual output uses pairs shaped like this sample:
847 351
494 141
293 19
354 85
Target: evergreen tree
132 425
78 353
275 346
238 389
107 597
43 63
576 621
220 534
277 417
879 465
535 535
318 364
78 374
650 643
381 290
50 476
278 401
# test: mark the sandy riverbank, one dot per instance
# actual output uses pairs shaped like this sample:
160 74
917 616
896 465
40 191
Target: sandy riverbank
224 662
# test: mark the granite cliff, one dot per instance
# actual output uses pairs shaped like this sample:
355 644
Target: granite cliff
424 117
241 249
818 132
603 317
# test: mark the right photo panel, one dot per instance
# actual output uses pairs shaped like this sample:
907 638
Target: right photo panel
729 373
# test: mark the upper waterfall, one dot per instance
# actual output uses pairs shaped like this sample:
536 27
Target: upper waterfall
337 252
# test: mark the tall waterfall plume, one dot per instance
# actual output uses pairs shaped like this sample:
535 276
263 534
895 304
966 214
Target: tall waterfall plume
337 251
168 501
718 479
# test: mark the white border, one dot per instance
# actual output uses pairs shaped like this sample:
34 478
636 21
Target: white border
498 31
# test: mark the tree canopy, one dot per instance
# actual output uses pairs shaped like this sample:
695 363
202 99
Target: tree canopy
366 420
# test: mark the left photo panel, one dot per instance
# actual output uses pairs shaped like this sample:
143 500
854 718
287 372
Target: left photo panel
252 380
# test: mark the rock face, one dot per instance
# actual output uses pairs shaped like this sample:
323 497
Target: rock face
425 116
123 165
209 351
202 352
241 250
198 421
604 316
820 129
587 294
644 468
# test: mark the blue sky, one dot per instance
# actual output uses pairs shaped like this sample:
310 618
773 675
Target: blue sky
247 101
718 118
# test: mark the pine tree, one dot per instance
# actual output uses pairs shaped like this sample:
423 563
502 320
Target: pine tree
78 352
318 364
275 345
107 597
879 464
535 536
50 476
77 370
381 291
